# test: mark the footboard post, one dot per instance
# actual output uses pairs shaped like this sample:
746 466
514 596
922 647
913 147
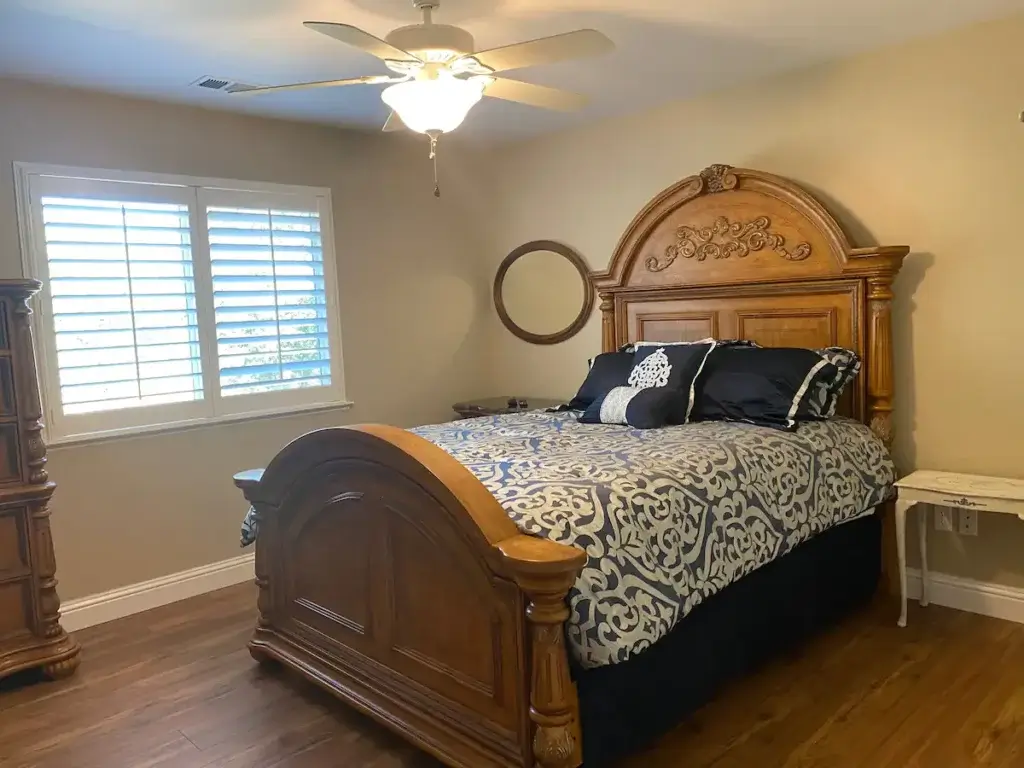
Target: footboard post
545 571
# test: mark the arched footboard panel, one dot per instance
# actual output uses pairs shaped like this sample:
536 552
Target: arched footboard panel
384 575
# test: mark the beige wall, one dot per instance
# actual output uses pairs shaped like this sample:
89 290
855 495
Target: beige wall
918 144
411 283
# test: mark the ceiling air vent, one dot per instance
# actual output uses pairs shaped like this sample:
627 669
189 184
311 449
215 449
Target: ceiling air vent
220 84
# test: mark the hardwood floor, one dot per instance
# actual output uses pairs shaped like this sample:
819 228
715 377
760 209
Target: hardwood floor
175 688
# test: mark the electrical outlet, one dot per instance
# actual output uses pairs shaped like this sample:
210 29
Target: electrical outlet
943 519
968 522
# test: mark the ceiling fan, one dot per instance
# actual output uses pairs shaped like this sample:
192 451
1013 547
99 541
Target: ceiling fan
438 77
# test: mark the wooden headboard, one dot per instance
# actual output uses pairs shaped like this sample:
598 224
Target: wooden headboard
740 254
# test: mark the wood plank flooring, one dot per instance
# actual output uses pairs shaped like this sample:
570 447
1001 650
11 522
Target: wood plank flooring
175 688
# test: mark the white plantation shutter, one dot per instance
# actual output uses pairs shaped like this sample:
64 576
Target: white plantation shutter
123 303
270 299
169 302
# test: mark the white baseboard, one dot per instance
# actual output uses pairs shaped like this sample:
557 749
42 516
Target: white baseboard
135 598
969 595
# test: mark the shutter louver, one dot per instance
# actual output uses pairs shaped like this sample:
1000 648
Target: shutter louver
270 300
123 301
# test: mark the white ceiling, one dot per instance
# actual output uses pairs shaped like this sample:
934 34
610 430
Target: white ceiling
666 49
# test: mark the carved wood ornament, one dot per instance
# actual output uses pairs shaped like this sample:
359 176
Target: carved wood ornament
391 576
717 178
724 239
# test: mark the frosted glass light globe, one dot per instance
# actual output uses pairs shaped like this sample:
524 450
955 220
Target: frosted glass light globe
434 105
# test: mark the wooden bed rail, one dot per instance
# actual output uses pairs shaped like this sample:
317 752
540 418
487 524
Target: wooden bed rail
370 539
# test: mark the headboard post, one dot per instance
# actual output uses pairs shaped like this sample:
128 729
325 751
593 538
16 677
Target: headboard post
880 367
607 322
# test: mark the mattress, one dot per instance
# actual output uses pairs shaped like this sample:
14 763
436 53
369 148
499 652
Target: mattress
668 517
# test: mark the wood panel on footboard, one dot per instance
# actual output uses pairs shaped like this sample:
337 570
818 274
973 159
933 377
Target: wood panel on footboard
389 575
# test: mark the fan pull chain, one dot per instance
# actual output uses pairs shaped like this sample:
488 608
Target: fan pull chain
433 156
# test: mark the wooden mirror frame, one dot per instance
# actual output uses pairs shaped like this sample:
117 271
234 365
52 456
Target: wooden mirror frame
588 292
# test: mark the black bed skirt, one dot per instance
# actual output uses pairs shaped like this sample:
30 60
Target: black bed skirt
625 707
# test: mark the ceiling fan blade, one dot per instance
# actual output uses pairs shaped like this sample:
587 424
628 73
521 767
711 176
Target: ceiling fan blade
394 123
367 80
356 37
544 50
535 95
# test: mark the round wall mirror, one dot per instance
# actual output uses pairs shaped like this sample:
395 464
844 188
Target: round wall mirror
543 292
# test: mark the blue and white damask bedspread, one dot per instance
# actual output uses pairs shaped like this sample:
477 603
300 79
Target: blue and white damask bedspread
667 517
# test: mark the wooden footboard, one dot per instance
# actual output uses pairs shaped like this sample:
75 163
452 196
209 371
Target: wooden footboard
389 575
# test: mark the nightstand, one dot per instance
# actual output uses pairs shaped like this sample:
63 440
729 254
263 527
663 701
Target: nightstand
492 406
947 489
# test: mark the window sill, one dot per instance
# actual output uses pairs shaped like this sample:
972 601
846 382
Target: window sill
184 426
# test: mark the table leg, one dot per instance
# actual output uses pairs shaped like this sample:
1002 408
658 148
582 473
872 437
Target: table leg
922 532
901 550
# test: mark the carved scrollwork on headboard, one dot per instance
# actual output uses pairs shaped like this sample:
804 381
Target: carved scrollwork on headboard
725 239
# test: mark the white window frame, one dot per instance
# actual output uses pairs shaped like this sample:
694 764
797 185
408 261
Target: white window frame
197 193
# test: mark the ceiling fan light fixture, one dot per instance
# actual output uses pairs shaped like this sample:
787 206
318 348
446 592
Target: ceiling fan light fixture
440 104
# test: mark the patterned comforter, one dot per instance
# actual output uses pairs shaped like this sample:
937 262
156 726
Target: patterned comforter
666 516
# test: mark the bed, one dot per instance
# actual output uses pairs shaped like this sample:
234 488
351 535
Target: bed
398 570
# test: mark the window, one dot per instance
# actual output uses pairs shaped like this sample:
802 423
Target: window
171 301
270 299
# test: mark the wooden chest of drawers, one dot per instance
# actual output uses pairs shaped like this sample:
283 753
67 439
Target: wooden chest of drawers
30 631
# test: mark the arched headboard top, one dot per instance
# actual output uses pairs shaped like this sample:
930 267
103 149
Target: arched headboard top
730 225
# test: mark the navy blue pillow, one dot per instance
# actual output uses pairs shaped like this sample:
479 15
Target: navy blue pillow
640 408
675 367
771 386
607 371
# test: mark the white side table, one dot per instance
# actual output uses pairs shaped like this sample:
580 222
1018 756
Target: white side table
947 489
